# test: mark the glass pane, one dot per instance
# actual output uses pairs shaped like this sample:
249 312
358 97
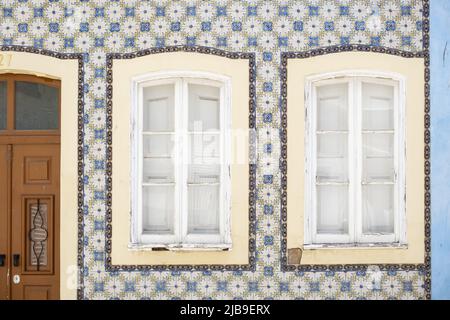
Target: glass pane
378 161
38 234
332 107
36 106
204 204
378 107
204 173
2 105
158 170
204 157
332 157
160 145
158 209
159 108
378 209
204 108
332 209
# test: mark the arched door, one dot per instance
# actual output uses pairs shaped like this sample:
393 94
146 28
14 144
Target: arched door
29 187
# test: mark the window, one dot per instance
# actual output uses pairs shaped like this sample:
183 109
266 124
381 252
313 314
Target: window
181 187
2 105
355 185
43 100
29 103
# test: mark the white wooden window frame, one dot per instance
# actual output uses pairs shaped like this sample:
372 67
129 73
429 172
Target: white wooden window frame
181 239
355 236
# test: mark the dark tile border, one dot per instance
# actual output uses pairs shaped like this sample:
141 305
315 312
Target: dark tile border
252 167
425 268
80 143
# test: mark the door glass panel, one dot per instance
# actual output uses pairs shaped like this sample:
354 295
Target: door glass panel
2 105
378 209
36 106
37 234
203 209
332 209
159 108
204 108
158 209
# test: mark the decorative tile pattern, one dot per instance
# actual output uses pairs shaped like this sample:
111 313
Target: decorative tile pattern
94 28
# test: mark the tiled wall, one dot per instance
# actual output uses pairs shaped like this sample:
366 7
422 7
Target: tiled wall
267 28
440 124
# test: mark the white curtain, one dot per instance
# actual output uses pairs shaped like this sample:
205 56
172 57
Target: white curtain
378 159
332 180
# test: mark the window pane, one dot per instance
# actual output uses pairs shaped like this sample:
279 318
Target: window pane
204 173
332 107
159 108
378 161
204 204
332 158
160 145
378 209
158 170
332 209
2 105
378 111
36 106
158 209
204 105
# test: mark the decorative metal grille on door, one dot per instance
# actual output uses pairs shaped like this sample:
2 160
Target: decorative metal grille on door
38 234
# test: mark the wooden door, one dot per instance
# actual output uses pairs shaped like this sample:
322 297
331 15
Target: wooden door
29 187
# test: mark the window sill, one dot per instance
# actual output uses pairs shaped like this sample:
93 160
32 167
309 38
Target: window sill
358 246
178 247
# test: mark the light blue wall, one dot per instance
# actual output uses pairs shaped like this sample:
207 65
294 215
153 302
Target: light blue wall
440 131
